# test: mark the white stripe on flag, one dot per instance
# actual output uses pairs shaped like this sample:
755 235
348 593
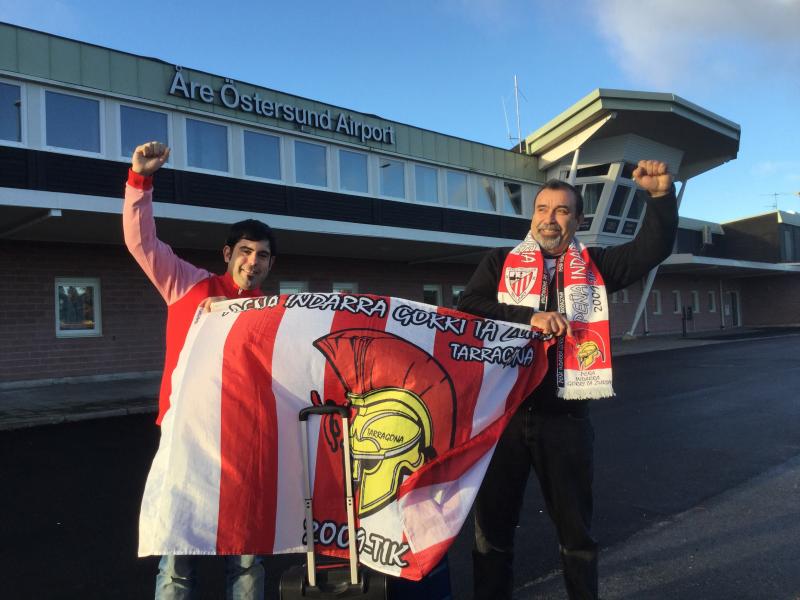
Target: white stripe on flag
419 335
181 517
495 388
300 369
435 513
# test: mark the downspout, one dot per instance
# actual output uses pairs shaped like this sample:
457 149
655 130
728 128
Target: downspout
648 285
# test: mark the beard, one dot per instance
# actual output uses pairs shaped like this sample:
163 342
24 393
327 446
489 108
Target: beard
548 244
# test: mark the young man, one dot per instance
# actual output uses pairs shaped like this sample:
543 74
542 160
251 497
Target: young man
554 283
249 252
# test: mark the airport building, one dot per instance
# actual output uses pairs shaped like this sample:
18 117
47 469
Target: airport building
359 203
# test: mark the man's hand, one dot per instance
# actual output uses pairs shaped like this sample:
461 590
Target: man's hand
149 158
205 305
551 323
652 175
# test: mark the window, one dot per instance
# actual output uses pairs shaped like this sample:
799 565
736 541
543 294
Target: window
591 197
695 301
432 294
655 298
611 225
788 245
353 171
10 112
625 298
393 178
618 201
344 287
614 298
487 196
593 171
712 301
139 126
310 164
512 198
427 186
262 155
78 307
677 305
293 287
207 145
456 189
72 122
457 290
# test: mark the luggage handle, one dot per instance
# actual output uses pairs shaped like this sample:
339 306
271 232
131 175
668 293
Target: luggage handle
344 413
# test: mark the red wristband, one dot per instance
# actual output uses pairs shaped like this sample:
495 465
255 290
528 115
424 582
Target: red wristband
140 182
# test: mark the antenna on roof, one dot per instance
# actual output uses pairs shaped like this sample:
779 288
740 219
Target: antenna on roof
517 94
774 205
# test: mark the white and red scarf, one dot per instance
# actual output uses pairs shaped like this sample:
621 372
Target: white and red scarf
584 359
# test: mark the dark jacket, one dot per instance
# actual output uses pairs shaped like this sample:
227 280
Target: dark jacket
620 266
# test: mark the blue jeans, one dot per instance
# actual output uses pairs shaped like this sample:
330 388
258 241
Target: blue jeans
244 577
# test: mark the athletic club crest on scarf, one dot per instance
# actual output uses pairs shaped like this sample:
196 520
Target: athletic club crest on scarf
584 359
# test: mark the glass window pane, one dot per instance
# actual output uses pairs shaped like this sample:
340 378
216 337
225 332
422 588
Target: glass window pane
78 307
262 155
637 204
392 178
72 122
456 189
586 225
618 201
310 164
432 294
293 287
10 109
611 225
487 198
207 145
426 184
140 126
591 197
344 287
512 198
630 227
353 171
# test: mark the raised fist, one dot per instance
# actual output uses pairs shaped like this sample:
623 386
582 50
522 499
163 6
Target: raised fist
652 175
149 158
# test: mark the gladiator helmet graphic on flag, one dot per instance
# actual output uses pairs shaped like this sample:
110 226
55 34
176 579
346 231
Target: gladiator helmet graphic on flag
405 408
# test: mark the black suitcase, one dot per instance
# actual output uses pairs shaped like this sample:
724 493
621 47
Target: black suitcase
331 580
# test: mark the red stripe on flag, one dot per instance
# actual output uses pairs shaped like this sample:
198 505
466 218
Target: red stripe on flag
249 456
465 376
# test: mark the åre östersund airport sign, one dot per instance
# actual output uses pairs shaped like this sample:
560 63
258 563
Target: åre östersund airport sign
230 97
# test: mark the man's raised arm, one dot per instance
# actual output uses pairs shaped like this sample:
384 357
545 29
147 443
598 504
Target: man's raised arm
172 276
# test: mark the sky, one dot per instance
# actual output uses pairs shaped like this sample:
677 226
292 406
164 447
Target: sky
448 65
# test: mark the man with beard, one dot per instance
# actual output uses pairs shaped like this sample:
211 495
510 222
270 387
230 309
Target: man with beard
554 283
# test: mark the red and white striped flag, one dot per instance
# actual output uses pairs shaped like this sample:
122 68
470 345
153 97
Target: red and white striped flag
431 391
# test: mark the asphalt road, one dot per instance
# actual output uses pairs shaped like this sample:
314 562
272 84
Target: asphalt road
687 425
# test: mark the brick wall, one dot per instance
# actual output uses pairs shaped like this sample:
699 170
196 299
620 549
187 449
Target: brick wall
133 314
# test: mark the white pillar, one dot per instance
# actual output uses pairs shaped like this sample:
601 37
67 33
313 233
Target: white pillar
651 276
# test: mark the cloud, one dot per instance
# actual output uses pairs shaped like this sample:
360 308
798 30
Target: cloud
661 42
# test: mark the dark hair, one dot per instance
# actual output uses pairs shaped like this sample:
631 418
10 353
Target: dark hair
557 184
252 230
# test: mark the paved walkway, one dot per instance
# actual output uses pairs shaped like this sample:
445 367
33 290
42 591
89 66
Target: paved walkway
30 406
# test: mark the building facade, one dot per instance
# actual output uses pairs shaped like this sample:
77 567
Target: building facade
359 203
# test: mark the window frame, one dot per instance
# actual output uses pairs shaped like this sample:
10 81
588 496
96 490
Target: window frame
294 283
170 132
656 296
352 285
97 306
101 115
338 170
228 130
23 114
328 175
281 156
